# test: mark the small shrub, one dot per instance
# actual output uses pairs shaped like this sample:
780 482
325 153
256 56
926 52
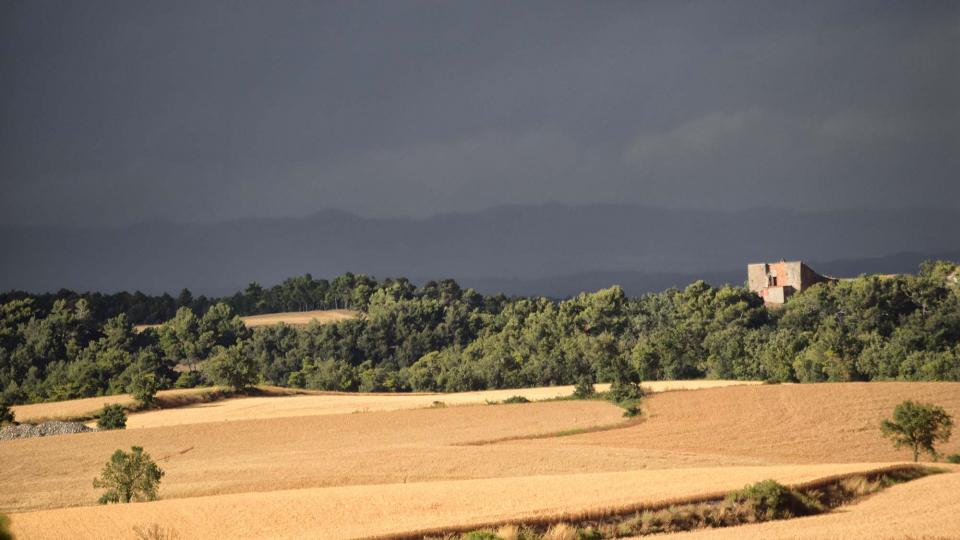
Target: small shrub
857 486
6 414
584 388
623 391
188 379
631 526
561 531
5 533
589 534
953 458
438 405
771 500
516 399
112 417
481 535
155 532
509 532
129 476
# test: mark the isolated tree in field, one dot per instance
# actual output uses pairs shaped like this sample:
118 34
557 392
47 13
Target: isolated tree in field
132 476
918 426
233 367
112 417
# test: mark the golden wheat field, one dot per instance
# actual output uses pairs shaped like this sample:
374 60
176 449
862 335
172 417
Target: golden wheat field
307 402
300 318
90 407
788 423
359 511
925 508
85 408
295 318
319 403
312 467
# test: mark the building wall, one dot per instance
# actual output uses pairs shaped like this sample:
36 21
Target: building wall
757 277
775 282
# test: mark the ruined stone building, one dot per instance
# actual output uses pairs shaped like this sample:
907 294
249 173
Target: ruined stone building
775 282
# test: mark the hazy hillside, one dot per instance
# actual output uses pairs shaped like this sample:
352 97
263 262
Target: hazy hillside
550 249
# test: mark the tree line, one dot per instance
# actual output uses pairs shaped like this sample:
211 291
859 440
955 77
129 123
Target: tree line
300 293
440 337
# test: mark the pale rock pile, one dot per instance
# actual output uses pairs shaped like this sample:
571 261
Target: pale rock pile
45 429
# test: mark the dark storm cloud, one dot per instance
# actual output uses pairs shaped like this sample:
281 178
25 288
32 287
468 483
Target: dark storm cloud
126 111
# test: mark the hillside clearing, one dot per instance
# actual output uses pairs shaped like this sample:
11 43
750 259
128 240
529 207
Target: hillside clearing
358 511
293 318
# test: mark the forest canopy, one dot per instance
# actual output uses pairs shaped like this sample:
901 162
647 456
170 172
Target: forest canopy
440 337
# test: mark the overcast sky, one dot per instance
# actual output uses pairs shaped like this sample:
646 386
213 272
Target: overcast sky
121 112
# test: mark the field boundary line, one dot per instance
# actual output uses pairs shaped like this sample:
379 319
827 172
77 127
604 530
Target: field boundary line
555 434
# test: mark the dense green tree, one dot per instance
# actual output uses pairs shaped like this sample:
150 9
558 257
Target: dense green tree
232 367
144 388
129 476
6 413
918 426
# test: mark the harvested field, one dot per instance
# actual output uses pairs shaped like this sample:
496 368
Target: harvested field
309 402
300 318
323 403
87 407
297 466
287 453
924 508
294 318
791 423
357 511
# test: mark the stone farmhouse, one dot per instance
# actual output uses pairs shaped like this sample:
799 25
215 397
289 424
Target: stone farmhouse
775 282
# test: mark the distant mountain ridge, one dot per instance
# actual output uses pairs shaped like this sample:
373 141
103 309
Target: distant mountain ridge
555 250
640 282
